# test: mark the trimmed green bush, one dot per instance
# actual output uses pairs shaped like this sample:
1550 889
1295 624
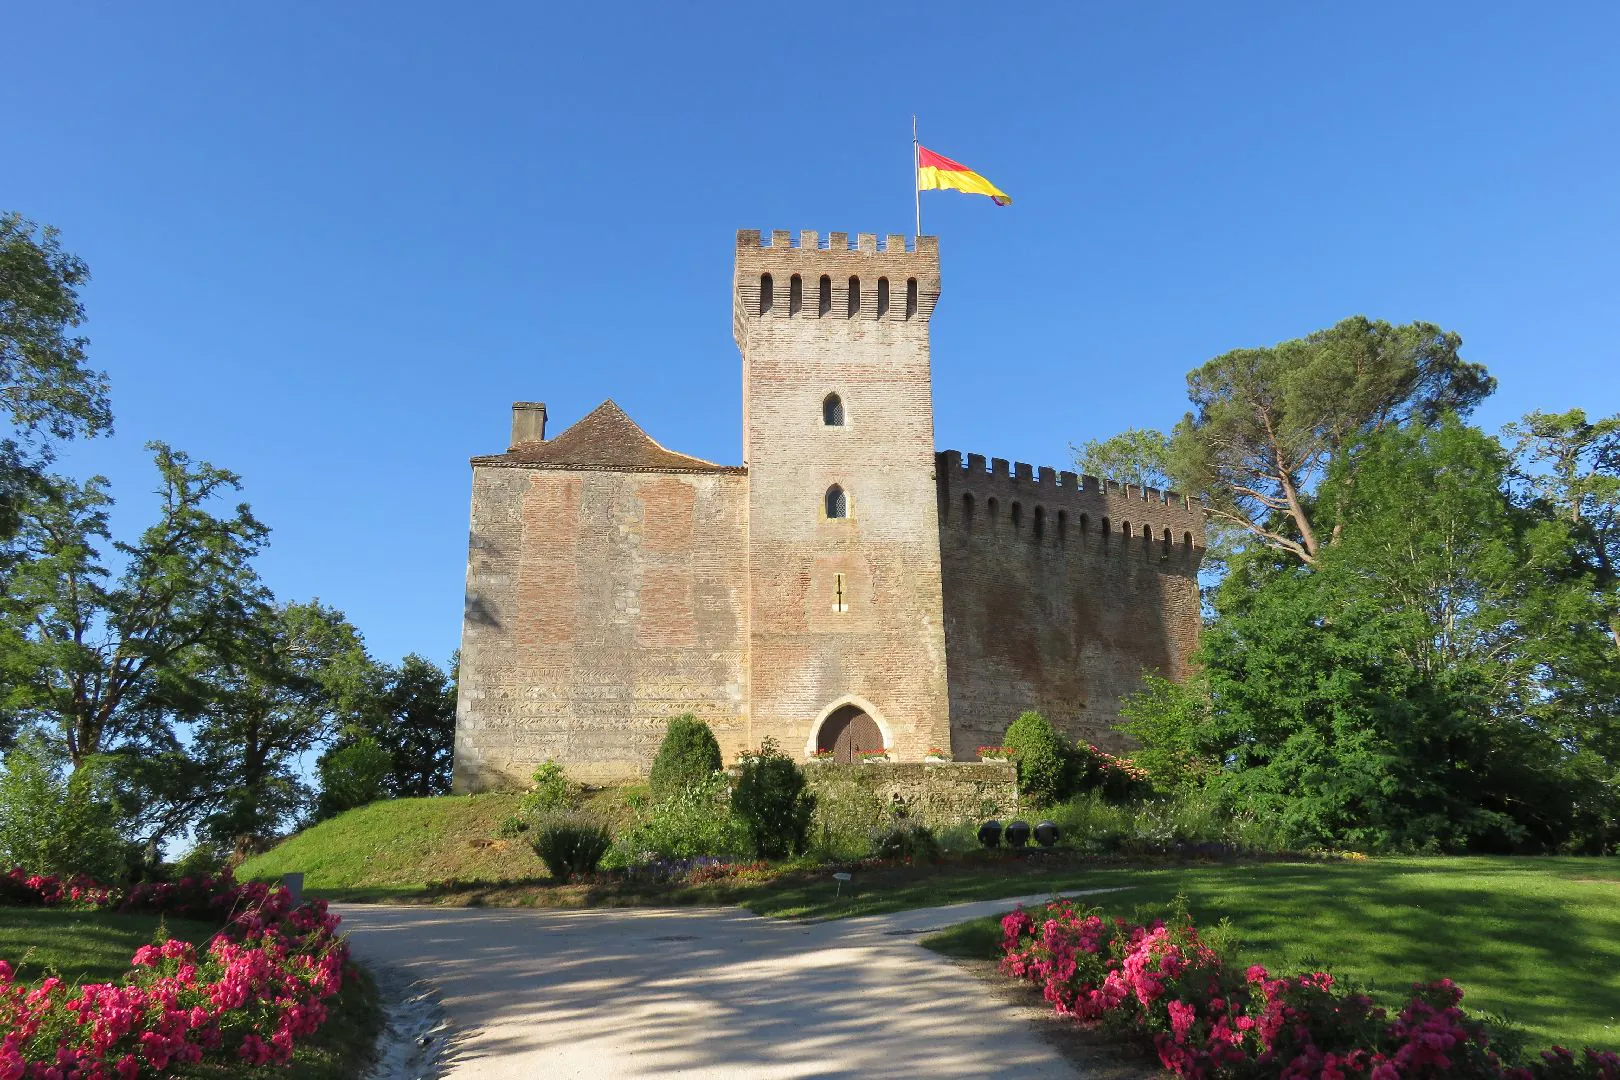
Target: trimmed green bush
772 800
1044 772
569 843
688 755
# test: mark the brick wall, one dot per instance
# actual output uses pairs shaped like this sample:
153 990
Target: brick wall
887 650
1051 612
600 603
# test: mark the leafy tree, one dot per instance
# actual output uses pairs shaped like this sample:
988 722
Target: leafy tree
1572 465
271 700
772 799
1169 722
106 662
1268 423
414 716
55 823
1139 456
1044 772
688 756
1404 693
351 776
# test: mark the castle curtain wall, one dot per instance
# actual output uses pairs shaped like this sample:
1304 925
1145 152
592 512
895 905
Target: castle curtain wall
1045 610
600 603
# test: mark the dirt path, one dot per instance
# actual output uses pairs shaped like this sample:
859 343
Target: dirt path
704 992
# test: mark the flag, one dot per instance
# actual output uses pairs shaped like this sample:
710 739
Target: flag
935 171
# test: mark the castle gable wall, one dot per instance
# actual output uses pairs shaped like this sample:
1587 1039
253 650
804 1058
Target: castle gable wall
599 604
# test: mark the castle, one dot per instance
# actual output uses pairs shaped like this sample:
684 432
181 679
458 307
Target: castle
847 588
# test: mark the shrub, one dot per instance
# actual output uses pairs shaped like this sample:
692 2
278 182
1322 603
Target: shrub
693 823
848 813
907 840
569 843
1118 779
688 755
53 822
352 776
552 790
1043 759
771 798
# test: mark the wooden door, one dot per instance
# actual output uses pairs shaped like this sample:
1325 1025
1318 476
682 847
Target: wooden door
847 733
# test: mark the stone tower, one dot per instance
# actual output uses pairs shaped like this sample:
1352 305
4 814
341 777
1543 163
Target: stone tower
845 604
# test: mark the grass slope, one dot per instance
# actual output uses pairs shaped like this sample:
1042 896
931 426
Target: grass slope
1536 941
395 848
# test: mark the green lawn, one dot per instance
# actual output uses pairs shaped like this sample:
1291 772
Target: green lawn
1535 940
82 946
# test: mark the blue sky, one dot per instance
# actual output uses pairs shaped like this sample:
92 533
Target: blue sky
332 243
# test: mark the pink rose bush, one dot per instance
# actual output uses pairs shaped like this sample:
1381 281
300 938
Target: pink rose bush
1206 1020
256 989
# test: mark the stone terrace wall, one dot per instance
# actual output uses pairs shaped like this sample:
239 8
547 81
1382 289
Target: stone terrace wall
940 794
1051 604
600 604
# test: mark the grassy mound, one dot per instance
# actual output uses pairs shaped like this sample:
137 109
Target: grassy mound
396 847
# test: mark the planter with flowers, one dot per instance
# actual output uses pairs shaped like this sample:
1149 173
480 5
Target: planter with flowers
873 757
995 753
821 757
935 754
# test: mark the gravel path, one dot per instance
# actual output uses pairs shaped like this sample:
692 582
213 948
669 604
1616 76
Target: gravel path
702 992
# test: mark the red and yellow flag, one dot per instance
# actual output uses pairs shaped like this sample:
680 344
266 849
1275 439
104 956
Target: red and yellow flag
935 171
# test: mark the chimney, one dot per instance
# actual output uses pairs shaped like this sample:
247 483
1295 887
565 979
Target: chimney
528 422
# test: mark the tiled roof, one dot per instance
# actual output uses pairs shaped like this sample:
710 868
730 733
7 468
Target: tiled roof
605 438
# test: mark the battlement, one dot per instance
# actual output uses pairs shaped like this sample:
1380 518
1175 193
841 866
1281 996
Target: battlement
1065 508
874 277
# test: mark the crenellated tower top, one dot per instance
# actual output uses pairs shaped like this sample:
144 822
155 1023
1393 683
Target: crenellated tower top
876 278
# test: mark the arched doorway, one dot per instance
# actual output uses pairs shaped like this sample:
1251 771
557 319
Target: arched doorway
847 732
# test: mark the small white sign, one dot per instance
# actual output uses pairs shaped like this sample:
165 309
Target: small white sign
840 877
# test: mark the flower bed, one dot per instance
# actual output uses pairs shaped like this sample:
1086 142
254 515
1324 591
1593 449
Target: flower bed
1165 983
250 995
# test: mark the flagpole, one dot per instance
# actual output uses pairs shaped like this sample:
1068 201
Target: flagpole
916 173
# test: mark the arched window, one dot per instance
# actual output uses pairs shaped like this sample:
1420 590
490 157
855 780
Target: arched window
1063 526
1186 538
825 306
1125 530
795 294
1017 515
854 297
832 411
967 508
765 297
883 297
991 507
1106 535
1147 535
1085 523
911 297
1167 543
1040 521
837 502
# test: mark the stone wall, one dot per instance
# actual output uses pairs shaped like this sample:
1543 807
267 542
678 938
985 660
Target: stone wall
1051 605
939 794
600 603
